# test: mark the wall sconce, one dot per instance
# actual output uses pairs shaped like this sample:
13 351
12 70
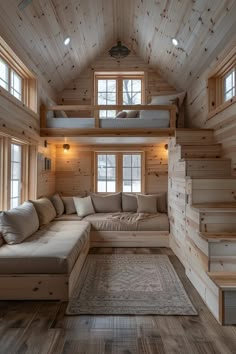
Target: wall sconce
45 143
66 147
166 146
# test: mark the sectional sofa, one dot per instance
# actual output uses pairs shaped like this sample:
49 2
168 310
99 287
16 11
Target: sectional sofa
44 243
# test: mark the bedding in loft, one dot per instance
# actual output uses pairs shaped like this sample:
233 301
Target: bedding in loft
124 119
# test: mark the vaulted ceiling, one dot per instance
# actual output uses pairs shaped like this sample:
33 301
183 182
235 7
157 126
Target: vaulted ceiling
202 28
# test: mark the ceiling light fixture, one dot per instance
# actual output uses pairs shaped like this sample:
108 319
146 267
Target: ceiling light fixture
175 41
66 40
119 51
66 147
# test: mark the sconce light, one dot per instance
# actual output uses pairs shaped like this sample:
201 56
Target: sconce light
45 143
66 147
166 146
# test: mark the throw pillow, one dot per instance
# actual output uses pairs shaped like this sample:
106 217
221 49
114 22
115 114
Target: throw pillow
84 206
132 114
58 204
147 204
129 202
110 203
45 210
121 114
19 223
69 205
177 99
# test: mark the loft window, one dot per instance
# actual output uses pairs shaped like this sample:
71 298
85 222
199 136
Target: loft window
229 85
16 78
119 171
115 88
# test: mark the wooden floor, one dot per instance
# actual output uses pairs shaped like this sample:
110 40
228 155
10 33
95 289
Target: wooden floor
41 327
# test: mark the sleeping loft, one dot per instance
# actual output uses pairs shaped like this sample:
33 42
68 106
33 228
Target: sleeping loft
117 177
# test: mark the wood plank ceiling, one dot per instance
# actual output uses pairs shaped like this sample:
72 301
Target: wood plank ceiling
146 26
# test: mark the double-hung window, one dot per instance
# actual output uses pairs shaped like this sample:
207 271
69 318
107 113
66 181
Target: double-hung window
119 171
16 175
229 85
118 89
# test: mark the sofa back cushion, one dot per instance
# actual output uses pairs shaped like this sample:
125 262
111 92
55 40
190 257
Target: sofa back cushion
161 199
84 206
147 204
69 205
58 204
19 223
1 239
110 203
129 202
45 210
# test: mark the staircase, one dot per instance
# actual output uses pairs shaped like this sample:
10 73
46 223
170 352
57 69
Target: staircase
202 211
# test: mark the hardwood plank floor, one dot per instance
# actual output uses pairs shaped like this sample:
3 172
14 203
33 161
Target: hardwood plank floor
30 327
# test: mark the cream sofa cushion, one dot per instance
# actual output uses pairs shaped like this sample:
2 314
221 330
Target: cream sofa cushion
19 223
45 210
58 204
84 206
69 205
106 203
129 202
147 204
53 249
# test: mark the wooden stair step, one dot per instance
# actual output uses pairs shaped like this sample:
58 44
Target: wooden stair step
201 151
194 136
225 205
218 237
206 167
224 280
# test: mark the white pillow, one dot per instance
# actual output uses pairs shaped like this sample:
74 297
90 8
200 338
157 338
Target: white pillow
84 206
169 99
19 223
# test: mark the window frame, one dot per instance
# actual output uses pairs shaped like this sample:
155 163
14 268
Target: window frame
119 169
216 85
29 95
119 77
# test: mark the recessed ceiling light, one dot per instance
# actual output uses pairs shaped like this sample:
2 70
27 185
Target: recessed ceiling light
67 40
175 42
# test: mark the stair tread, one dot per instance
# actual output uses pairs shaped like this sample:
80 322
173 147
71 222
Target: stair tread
218 236
224 280
194 130
214 205
205 158
213 177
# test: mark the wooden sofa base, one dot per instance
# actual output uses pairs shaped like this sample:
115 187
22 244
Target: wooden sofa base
60 286
42 286
129 238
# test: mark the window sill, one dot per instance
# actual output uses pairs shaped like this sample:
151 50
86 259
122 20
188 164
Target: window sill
17 103
221 108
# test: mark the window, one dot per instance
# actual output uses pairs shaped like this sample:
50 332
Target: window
229 85
119 171
16 78
221 85
10 80
131 173
118 89
106 173
16 175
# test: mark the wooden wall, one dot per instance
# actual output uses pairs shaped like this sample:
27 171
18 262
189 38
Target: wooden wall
223 123
74 169
46 179
80 90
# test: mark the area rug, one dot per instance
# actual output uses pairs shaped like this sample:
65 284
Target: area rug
129 285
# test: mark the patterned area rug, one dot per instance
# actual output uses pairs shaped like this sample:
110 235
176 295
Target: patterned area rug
129 285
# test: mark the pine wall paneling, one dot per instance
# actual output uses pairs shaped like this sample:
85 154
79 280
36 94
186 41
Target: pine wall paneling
46 179
74 169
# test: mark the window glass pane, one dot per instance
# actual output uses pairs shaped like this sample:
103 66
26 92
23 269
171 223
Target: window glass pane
16 85
106 173
15 194
102 87
132 91
111 85
127 187
229 85
132 173
4 72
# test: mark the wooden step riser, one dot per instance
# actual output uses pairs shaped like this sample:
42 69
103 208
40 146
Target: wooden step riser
212 195
209 151
194 137
205 168
221 264
218 221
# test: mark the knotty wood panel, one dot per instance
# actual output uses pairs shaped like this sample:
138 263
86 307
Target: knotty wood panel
46 181
75 169
224 123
